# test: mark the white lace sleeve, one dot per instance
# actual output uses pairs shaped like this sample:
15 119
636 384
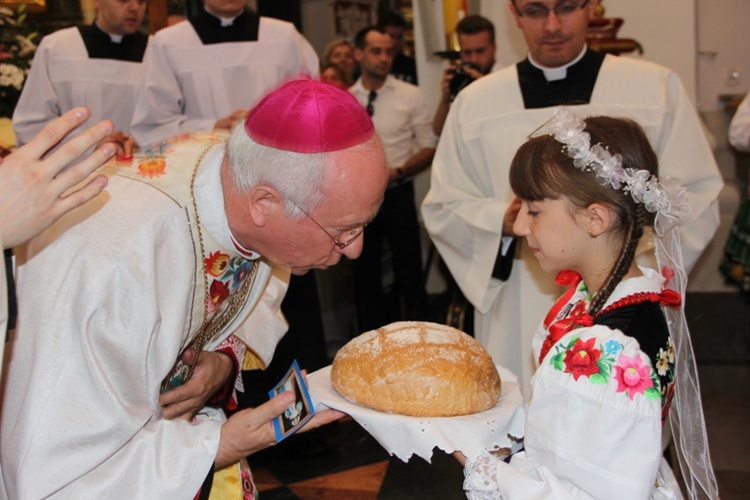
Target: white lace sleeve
481 478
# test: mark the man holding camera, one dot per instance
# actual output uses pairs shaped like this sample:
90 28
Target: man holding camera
476 37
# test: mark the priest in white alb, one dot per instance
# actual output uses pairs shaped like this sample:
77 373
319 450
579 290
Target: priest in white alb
469 210
98 66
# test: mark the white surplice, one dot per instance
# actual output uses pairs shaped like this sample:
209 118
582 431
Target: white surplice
189 85
63 76
107 302
469 192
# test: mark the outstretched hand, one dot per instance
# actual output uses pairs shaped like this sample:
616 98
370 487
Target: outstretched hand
249 431
34 190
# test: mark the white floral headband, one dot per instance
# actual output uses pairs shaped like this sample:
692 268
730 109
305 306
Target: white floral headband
663 197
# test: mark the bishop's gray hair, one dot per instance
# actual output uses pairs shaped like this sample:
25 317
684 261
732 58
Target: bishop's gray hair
298 177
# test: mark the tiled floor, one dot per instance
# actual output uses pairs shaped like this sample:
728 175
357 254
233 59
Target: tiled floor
342 462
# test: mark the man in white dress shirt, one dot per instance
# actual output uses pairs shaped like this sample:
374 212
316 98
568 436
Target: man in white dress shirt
168 263
470 208
402 120
97 66
206 73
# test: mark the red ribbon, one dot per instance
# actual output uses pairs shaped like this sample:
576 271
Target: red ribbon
559 328
578 315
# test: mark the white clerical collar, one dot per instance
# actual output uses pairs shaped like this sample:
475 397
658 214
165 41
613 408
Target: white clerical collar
553 74
114 38
209 197
225 21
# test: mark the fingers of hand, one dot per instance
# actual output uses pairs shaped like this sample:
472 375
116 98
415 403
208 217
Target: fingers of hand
81 195
187 356
74 148
68 176
130 145
86 139
184 409
55 131
185 401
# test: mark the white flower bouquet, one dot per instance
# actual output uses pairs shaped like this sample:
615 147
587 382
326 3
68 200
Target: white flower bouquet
17 48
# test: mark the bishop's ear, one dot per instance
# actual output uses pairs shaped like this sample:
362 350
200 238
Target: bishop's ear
264 202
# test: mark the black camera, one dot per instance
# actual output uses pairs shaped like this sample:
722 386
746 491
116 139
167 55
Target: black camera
461 78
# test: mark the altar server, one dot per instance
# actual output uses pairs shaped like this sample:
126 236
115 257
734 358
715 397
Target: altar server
492 117
205 74
98 66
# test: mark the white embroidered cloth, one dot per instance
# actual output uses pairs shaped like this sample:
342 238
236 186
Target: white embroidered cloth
405 436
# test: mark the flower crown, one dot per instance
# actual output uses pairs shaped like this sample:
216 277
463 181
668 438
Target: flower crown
662 197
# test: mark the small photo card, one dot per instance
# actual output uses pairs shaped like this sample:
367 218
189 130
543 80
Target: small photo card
301 411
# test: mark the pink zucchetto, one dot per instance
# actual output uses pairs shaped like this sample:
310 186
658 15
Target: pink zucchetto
309 116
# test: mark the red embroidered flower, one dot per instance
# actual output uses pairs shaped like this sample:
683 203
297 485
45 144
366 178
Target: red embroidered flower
248 486
219 292
633 375
582 359
217 263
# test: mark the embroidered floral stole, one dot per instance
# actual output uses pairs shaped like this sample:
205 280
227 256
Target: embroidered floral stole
223 277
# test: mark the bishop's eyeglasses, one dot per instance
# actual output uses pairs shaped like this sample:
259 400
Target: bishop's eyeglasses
351 234
539 12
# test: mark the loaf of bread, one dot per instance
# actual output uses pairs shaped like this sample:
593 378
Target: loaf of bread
417 368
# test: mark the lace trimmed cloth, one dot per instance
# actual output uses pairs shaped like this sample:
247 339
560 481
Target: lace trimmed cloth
498 427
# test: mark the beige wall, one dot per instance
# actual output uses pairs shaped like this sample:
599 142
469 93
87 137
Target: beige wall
723 48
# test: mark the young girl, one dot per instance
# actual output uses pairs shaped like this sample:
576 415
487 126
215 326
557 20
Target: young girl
614 352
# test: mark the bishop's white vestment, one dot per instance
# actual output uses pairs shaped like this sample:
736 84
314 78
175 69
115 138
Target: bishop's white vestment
110 296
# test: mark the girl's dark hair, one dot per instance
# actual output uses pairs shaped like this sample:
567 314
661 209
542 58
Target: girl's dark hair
541 169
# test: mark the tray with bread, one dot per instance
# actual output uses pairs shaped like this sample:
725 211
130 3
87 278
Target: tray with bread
417 385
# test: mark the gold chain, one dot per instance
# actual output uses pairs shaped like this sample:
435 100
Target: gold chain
236 301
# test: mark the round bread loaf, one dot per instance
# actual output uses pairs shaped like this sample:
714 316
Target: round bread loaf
416 368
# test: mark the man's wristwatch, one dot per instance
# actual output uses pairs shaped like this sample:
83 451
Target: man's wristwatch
399 173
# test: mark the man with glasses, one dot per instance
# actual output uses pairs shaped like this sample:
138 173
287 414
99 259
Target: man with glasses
470 209
125 300
402 120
